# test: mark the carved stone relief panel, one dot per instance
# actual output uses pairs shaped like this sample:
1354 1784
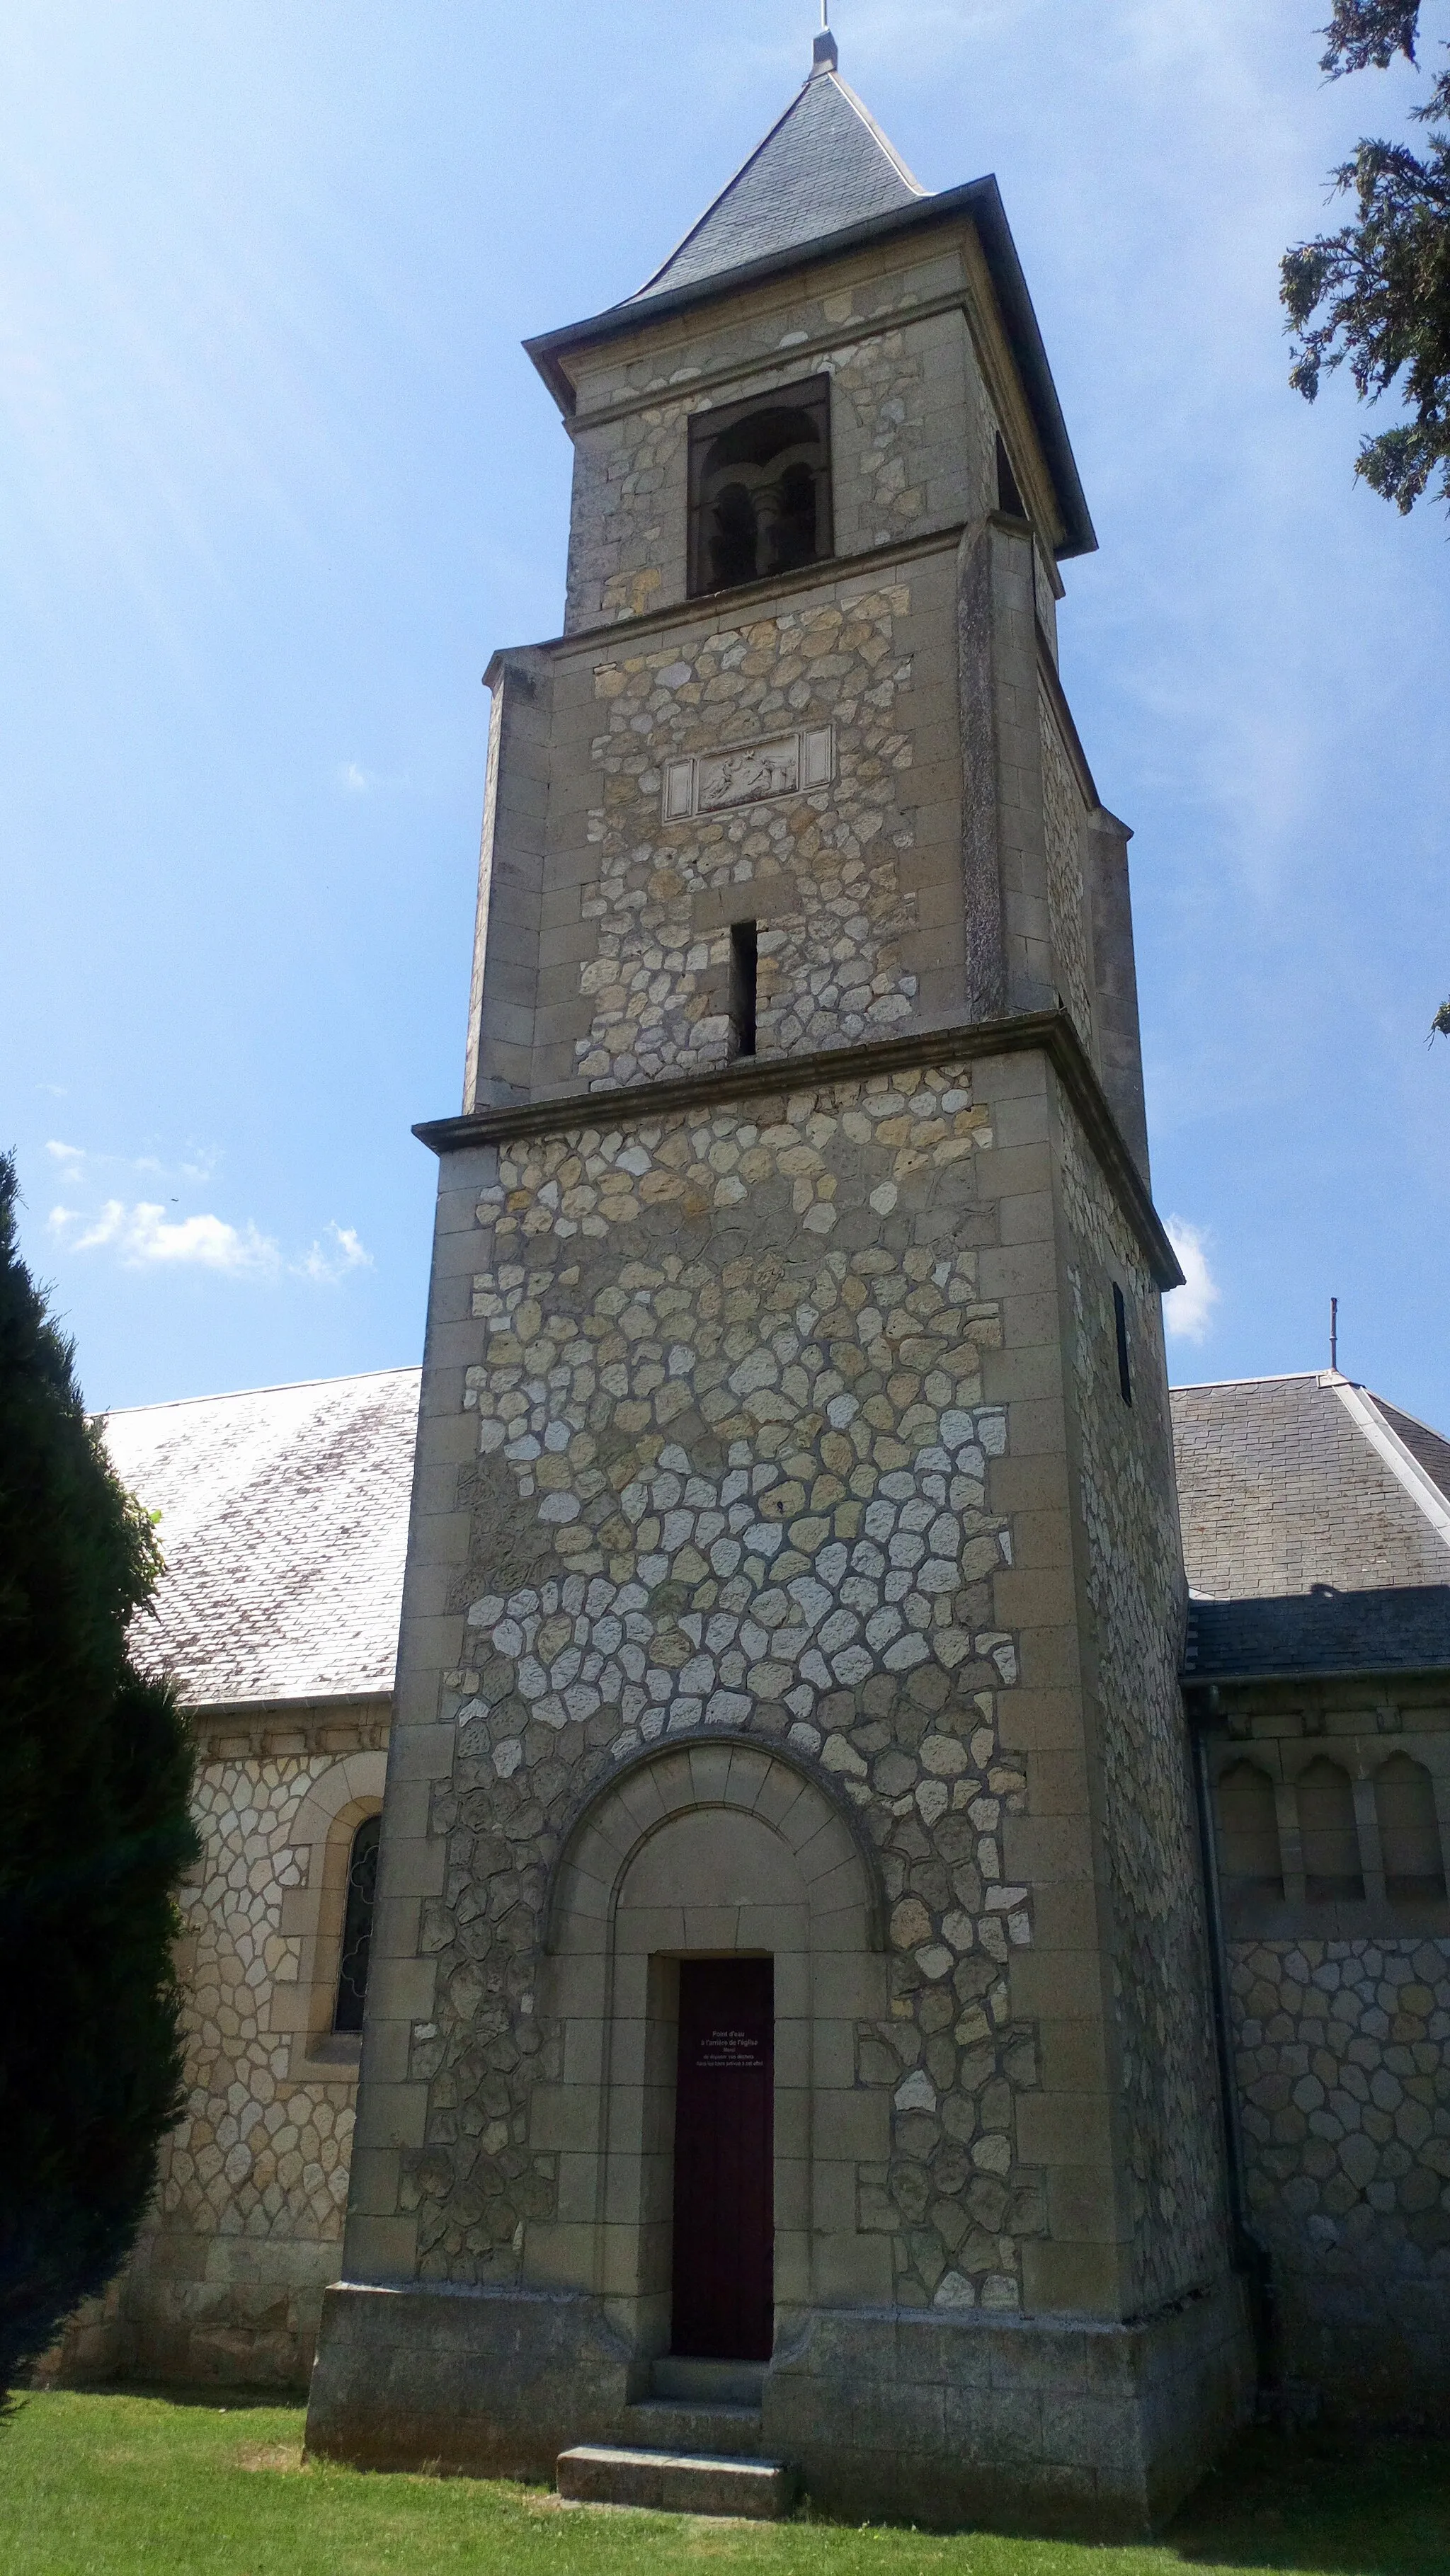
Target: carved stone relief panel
747 773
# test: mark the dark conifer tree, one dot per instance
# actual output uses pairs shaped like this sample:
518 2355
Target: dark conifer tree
1375 296
95 1832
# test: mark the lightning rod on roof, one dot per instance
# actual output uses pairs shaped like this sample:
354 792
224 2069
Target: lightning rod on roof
825 56
1334 1334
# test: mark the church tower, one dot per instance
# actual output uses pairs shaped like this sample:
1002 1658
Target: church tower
789 2030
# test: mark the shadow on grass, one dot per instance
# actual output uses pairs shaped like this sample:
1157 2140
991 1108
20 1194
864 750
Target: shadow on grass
1323 2505
181 2392
1315 2504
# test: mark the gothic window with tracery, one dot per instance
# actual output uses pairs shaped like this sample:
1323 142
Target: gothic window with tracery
357 1925
760 487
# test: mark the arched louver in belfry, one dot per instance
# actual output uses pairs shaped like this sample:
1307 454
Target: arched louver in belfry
760 487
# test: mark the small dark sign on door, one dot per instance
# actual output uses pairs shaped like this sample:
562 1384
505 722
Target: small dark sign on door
724 2145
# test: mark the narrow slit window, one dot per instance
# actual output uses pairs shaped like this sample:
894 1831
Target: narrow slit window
357 1925
743 964
1009 499
1120 1325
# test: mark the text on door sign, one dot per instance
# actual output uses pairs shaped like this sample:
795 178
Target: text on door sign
729 2048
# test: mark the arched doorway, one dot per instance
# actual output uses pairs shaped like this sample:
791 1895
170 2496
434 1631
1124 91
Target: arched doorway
714 1937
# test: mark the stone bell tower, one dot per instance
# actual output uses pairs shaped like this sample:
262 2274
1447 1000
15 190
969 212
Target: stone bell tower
788 2033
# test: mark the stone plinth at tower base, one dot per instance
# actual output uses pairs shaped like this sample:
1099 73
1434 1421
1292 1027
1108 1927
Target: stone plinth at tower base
1046 2425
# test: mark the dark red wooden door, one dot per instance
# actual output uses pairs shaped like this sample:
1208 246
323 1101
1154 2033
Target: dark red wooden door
724 2196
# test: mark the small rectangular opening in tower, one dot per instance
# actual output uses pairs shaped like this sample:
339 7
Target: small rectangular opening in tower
1009 499
743 963
1120 1320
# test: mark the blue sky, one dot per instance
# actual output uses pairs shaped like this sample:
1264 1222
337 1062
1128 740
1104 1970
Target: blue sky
275 478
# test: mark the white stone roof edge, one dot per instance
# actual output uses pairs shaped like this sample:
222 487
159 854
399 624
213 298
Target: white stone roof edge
1403 1465
888 147
268 1703
1275 1377
286 1386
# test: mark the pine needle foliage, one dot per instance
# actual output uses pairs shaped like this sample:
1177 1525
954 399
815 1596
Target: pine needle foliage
1375 296
95 1782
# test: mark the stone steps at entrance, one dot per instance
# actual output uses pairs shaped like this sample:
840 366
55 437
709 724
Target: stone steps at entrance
676 2482
669 2424
707 2383
710 2409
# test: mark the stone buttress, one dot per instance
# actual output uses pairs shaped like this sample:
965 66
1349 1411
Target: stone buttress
795 1565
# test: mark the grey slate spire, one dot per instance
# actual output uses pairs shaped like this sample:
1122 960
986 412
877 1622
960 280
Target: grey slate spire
824 166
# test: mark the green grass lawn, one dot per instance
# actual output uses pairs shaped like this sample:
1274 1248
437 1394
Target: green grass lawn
110 2485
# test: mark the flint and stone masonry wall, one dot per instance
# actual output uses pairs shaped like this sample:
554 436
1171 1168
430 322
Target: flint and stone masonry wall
226 2280
1343 2063
1339 2003
824 872
1169 2139
733 1474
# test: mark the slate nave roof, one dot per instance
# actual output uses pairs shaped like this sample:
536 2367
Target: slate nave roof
284 1526
1316 1529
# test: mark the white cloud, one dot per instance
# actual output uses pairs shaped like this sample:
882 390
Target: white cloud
73 1159
145 1237
328 1262
1188 1311
355 780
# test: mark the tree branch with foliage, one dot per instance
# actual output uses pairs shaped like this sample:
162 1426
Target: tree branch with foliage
95 1788
1375 296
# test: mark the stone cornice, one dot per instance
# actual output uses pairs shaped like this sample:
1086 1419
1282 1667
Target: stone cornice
1209 1696
980 201
355 1721
715 608
1049 1033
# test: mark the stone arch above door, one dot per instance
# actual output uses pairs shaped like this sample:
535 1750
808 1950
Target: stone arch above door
835 1869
